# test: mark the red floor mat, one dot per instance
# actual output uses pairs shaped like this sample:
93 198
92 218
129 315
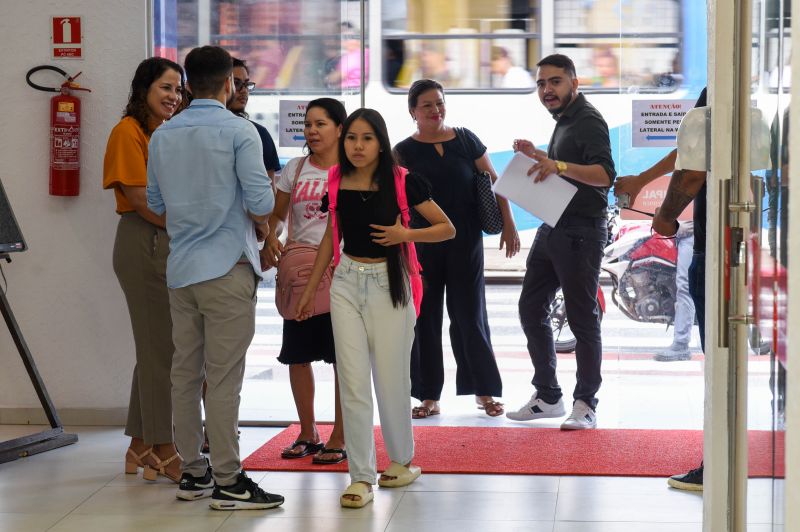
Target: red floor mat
537 451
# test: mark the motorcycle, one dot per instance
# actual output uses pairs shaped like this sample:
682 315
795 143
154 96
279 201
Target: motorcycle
642 267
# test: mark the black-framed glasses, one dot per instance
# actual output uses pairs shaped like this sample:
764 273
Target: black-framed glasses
238 84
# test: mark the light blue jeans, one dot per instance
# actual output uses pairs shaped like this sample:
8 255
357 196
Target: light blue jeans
372 337
684 307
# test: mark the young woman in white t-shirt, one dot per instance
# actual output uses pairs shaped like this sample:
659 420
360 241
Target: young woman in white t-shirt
310 340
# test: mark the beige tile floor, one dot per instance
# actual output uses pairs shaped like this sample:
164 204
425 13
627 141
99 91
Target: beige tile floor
82 488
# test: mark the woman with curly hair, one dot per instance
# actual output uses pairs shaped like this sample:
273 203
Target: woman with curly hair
140 260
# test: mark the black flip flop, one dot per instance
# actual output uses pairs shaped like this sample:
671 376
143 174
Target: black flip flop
310 448
325 450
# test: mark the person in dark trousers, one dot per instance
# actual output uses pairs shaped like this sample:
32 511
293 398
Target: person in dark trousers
685 186
453 270
567 255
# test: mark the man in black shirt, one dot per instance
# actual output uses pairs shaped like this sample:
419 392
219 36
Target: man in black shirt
567 255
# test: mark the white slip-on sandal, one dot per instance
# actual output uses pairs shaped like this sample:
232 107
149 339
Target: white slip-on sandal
403 476
360 490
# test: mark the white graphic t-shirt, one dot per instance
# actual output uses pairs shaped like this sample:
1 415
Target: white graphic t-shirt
308 223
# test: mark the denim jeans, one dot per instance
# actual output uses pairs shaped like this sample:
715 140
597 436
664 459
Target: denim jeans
372 338
697 288
684 306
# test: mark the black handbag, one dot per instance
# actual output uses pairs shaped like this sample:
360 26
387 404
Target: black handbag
488 210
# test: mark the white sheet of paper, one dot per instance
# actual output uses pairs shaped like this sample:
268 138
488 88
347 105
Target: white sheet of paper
546 199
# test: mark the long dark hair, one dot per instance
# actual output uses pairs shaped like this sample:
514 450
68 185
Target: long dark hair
332 107
146 74
386 196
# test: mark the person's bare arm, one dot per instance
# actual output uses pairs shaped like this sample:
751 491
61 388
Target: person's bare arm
273 249
590 174
258 219
441 228
633 184
137 197
321 263
509 238
683 188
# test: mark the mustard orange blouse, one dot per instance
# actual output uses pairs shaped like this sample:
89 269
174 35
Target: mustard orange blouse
125 161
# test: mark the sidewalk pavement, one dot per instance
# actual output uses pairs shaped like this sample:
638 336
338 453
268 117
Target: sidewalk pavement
500 269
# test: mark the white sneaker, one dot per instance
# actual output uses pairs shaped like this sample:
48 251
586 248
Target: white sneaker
537 409
581 417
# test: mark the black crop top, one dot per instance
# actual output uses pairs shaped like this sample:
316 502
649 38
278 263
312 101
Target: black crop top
357 209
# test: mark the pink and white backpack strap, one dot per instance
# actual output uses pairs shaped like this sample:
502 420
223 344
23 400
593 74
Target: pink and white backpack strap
334 180
409 249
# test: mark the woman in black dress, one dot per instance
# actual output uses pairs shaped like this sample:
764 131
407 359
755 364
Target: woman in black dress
448 157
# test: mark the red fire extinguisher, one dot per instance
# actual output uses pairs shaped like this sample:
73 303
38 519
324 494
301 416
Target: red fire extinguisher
65 133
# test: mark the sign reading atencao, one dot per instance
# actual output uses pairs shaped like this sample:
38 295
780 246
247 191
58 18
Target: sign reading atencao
655 122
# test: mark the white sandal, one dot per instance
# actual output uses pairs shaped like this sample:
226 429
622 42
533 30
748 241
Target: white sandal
357 489
403 476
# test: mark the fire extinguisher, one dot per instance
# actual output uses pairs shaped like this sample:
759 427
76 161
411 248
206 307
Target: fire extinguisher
65 133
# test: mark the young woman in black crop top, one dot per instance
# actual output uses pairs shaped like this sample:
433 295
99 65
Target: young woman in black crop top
371 301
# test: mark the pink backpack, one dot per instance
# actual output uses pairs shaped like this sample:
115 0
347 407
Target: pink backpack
409 250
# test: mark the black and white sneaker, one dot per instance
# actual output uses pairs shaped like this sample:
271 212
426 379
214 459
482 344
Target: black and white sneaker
537 408
691 481
581 417
244 495
192 488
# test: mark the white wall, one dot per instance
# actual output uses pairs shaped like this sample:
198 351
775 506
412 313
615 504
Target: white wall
63 290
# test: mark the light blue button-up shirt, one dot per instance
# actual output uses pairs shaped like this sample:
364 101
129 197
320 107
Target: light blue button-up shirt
206 170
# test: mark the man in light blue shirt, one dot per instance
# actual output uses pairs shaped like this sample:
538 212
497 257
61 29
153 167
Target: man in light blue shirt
206 171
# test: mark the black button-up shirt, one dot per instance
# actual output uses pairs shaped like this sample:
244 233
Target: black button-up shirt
581 137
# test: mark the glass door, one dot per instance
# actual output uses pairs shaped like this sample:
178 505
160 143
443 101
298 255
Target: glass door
749 143
747 267
766 239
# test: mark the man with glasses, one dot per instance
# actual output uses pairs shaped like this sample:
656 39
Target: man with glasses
242 88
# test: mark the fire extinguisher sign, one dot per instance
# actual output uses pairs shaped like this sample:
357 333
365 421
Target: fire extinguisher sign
67 38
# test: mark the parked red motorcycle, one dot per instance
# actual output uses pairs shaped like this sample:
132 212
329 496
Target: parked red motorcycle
642 266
